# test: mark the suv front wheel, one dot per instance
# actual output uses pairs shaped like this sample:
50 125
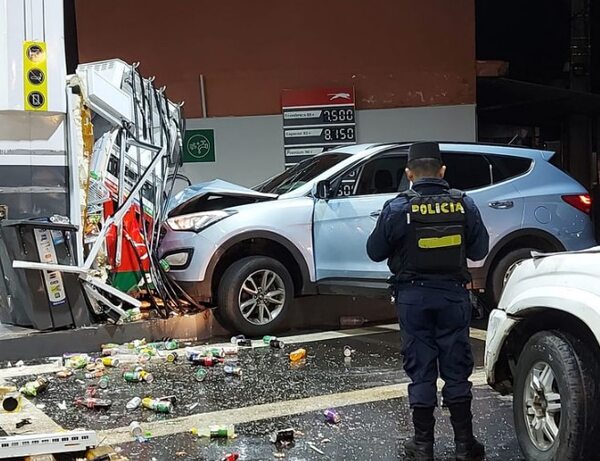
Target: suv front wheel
255 296
555 399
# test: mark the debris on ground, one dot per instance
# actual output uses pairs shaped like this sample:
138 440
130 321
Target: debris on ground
298 355
32 388
332 416
314 448
283 438
23 422
216 431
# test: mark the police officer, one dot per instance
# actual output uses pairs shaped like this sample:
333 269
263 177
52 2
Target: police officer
426 234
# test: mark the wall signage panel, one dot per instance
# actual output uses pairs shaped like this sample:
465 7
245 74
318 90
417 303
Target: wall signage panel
316 120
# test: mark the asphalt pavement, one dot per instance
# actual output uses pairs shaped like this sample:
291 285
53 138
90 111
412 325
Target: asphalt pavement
368 391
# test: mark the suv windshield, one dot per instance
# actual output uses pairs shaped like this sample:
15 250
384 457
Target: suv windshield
300 174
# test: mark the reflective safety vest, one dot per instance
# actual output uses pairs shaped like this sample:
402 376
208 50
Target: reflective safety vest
435 242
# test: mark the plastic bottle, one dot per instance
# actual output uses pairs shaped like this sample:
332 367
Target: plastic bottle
352 321
297 355
91 402
207 361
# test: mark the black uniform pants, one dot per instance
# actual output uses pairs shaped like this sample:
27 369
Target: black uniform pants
434 326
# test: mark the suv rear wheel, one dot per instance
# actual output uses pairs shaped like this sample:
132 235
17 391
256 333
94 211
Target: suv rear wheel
555 399
255 296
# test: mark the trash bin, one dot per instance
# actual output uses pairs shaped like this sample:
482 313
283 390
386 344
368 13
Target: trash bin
45 300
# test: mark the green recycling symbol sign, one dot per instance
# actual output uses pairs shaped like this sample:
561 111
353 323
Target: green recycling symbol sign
199 146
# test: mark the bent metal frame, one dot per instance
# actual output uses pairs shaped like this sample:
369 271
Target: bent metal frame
149 129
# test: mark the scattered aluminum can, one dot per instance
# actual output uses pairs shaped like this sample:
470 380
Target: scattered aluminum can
11 402
108 361
64 373
133 404
230 350
172 357
276 343
244 342
94 374
348 351
135 429
332 416
235 339
283 437
232 370
103 382
159 406
200 374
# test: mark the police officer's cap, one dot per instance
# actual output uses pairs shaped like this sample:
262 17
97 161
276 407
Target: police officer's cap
429 150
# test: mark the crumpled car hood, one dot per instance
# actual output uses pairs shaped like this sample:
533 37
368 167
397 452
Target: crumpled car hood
196 198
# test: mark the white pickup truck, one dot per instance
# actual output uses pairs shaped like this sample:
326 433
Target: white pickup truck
543 347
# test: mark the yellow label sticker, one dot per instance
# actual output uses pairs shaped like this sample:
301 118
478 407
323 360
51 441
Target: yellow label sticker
35 76
441 242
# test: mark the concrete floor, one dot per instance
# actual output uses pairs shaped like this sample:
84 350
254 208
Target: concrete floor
369 392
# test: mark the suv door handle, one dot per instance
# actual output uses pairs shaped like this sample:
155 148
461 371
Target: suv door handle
375 214
502 205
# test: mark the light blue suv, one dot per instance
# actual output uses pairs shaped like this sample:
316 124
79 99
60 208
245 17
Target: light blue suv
304 231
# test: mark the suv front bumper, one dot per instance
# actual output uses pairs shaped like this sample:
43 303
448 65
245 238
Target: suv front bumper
499 327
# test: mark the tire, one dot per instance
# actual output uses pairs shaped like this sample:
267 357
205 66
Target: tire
570 369
277 302
496 280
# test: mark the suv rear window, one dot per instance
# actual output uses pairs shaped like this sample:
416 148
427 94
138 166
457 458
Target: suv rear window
506 167
466 171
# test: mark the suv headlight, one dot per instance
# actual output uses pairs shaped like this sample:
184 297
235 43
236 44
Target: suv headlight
197 221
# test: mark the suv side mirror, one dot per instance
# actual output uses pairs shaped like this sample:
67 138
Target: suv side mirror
322 190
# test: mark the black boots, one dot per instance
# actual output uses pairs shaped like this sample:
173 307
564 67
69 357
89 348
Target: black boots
467 448
420 447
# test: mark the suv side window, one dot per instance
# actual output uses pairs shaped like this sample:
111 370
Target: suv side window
382 175
505 167
466 171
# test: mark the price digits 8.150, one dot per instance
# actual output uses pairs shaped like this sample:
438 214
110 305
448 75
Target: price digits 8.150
339 134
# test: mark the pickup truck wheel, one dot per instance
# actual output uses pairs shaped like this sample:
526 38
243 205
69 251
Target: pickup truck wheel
496 281
555 399
255 296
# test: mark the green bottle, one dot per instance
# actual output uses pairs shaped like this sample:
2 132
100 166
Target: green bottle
216 432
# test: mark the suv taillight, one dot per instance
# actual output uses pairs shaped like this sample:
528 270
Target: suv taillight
583 202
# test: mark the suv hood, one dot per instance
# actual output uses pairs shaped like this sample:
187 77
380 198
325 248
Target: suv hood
214 195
